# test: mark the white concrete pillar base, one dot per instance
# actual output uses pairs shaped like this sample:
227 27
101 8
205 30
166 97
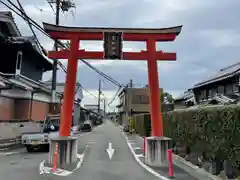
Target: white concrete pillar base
157 151
67 151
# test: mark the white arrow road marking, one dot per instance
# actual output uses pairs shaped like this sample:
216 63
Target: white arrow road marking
110 150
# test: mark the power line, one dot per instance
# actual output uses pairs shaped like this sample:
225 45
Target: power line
31 23
24 16
37 26
114 97
102 74
50 4
88 92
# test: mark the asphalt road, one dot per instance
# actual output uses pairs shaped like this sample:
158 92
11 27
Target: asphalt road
96 164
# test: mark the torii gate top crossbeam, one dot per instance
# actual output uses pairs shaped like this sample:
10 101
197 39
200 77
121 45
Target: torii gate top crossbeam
96 33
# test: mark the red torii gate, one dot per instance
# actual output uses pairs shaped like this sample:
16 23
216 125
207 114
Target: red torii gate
113 50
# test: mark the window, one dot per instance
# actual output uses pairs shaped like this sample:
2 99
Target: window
235 88
221 89
229 88
19 62
140 99
204 94
213 92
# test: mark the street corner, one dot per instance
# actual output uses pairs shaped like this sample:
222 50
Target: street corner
46 169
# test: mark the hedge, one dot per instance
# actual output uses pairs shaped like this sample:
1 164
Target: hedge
211 132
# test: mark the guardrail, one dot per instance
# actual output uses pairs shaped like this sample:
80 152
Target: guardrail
9 143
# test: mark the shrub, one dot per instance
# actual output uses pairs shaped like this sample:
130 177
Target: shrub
213 132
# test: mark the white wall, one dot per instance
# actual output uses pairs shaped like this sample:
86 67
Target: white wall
18 93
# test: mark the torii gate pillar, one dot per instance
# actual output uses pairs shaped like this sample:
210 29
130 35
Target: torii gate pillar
154 93
157 145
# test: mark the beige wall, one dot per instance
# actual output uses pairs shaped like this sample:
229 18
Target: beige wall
135 103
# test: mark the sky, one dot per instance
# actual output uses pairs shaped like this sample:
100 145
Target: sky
209 40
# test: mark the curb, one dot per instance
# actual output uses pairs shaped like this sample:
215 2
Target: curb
191 167
188 165
150 170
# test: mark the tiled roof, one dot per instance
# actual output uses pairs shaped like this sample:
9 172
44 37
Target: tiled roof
186 95
9 16
13 39
222 74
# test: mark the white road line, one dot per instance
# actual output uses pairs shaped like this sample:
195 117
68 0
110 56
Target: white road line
142 164
9 153
131 143
91 142
60 172
131 140
135 148
139 155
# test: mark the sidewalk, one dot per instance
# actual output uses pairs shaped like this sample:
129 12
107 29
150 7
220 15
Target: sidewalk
136 143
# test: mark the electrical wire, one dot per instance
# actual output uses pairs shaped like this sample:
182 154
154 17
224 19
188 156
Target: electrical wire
114 97
88 91
104 75
37 26
117 93
26 18
51 6
30 25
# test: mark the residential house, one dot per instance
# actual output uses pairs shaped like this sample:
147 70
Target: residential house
94 108
221 88
133 101
24 98
184 101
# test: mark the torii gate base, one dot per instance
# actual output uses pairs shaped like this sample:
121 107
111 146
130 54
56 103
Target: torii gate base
65 155
156 154
157 145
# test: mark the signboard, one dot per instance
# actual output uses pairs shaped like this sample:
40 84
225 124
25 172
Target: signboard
112 45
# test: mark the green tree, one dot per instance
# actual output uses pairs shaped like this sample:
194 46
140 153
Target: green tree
169 97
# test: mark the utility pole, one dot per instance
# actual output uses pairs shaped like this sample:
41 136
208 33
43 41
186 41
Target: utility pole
54 73
65 6
99 96
130 98
104 107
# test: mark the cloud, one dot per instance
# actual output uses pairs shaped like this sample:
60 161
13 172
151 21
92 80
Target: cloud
107 96
221 38
208 42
